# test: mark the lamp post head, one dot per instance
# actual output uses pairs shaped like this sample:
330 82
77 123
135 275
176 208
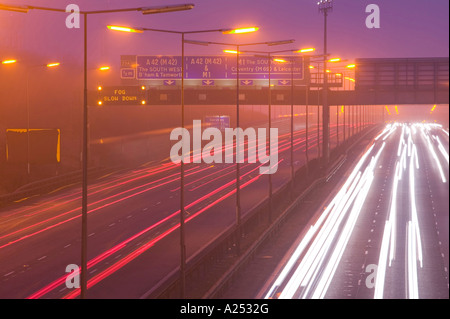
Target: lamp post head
195 42
124 29
53 64
9 61
307 50
231 51
22 9
325 5
241 30
334 60
164 9
280 42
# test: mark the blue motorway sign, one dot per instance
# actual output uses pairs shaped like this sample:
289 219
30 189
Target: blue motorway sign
220 122
158 67
215 68
127 73
257 68
206 67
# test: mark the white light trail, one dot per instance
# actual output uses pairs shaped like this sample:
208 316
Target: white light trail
333 262
388 243
442 149
413 240
386 129
290 264
310 270
413 290
393 129
414 218
416 156
327 240
402 141
381 272
393 216
434 155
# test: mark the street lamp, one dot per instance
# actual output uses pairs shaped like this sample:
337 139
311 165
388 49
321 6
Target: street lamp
182 195
124 29
334 60
143 10
231 51
241 30
9 61
325 6
307 50
53 64
21 9
164 9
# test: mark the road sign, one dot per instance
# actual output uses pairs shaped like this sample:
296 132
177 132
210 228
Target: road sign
121 95
212 68
127 73
207 67
158 67
218 121
257 68
38 146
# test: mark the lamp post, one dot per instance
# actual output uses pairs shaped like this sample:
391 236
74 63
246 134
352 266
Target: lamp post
325 6
325 106
342 75
318 106
347 80
182 168
85 14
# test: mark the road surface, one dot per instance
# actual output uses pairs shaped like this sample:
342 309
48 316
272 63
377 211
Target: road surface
384 233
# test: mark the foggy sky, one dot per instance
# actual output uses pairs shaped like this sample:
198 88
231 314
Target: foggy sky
413 28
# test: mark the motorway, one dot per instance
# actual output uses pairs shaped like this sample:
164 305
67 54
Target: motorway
133 218
384 232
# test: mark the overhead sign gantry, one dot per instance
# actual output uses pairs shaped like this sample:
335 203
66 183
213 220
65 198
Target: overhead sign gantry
208 68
